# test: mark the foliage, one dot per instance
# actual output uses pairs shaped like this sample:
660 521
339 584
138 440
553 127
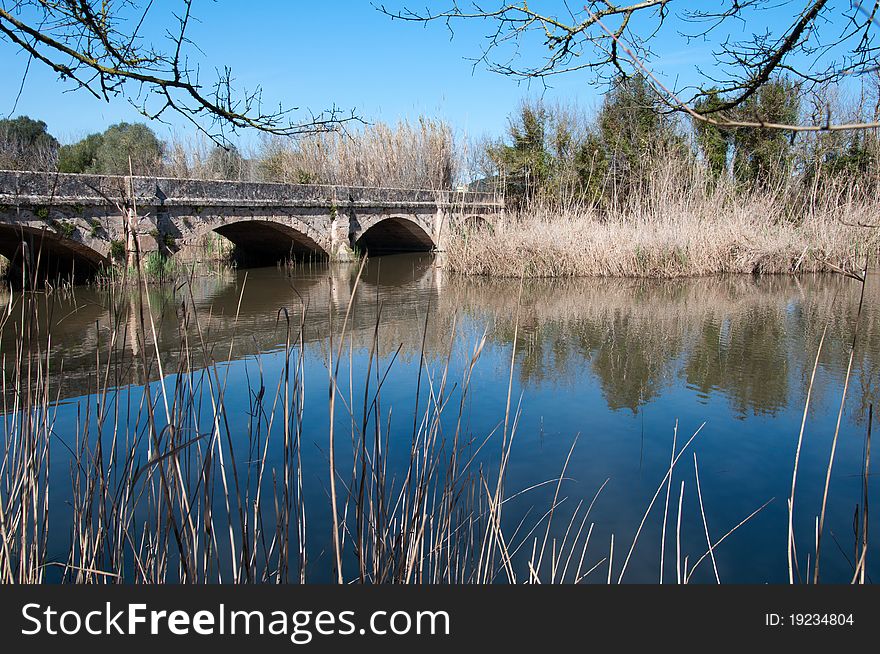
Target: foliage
714 143
158 268
763 156
125 140
108 153
525 161
225 163
64 228
117 250
80 157
552 154
632 126
25 144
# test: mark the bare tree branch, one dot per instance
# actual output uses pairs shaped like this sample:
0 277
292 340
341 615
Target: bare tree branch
100 47
671 99
824 41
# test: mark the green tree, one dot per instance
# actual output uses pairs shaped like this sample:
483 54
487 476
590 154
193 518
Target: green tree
80 157
632 131
124 140
225 163
524 162
838 155
714 143
25 144
764 156
109 153
591 163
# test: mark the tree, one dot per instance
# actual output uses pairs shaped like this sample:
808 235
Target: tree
848 157
80 157
101 48
225 163
109 153
524 162
555 155
763 156
713 142
759 156
26 145
124 141
633 130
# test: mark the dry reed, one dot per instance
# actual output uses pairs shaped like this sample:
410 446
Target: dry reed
680 224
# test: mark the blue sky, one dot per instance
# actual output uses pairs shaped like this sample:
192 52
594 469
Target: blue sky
315 55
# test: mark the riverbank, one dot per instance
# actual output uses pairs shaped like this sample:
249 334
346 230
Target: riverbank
755 236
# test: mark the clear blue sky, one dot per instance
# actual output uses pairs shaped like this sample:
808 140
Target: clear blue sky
317 54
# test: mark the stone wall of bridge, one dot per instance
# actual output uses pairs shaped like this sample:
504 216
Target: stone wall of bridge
87 220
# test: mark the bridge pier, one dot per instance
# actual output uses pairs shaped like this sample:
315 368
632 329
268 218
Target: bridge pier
142 233
341 247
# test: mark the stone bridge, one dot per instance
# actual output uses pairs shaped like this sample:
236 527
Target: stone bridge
82 222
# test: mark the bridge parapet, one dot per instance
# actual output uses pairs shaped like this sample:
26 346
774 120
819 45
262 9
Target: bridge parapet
20 187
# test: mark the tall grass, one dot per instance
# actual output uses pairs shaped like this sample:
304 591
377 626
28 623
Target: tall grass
681 222
163 489
421 155
404 155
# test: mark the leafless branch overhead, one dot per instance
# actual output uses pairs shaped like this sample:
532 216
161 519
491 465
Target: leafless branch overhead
101 46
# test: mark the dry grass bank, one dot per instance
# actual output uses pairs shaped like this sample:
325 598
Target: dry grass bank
687 236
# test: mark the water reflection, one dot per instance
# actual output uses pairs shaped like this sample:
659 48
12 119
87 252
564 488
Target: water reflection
751 340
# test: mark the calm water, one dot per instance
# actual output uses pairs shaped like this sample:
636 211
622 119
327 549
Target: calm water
615 364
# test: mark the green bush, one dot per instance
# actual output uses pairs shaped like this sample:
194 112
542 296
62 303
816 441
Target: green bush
64 228
117 250
81 157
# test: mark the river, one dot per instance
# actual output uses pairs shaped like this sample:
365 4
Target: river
603 373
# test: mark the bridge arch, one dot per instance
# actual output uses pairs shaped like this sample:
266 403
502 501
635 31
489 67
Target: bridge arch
395 233
57 255
266 240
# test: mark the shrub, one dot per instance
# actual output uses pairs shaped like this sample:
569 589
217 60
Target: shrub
64 228
80 157
117 250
